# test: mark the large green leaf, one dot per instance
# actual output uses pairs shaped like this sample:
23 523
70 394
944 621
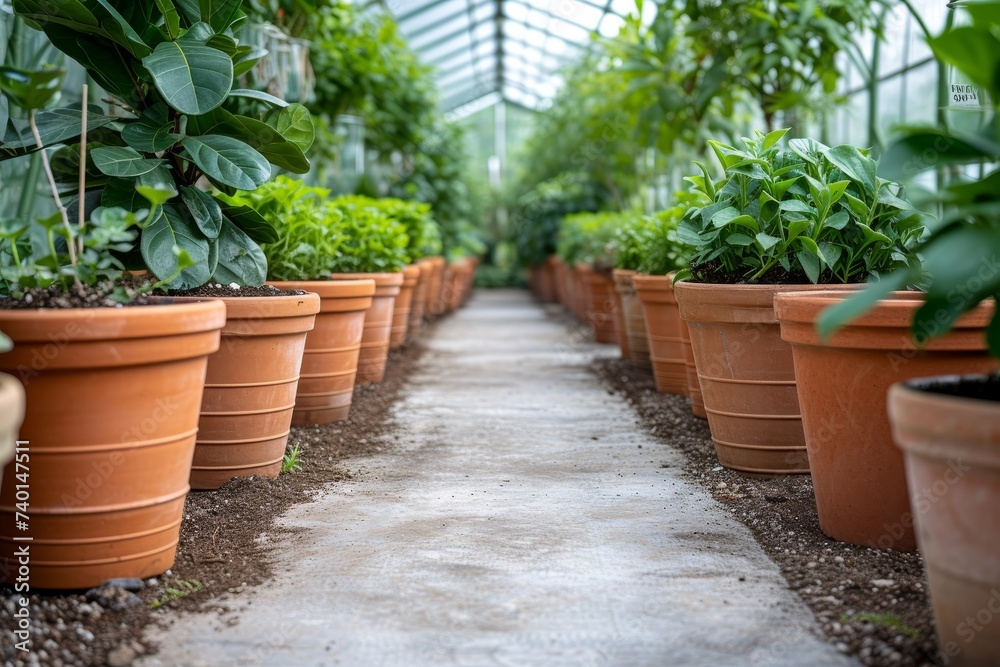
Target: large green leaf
241 261
924 148
123 162
267 140
121 193
55 126
227 160
171 17
294 123
855 165
220 14
267 98
204 210
31 89
101 58
193 78
159 239
251 222
70 13
150 136
972 50
120 31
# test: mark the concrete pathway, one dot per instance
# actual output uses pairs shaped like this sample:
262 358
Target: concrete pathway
523 520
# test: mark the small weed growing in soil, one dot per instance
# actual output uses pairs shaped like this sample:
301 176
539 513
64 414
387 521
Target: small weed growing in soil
183 589
291 462
887 620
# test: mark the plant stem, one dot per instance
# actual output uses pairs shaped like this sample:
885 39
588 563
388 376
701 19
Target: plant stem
55 195
82 183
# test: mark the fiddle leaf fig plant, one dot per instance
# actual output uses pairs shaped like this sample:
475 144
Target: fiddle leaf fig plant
170 68
807 213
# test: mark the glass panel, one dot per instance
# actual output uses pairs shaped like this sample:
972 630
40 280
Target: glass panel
535 37
623 7
921 85
425 18
513 29
891 50
516 11
438 32
459 41
611 25
569 32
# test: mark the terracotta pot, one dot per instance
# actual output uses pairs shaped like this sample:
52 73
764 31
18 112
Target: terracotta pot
951 443
378 324
250 388
330 358
435 305
419 301
559 276
451 293
113 396
663 331
404 303
858 475
599 304
11 416
694 386
632 317
746 375
578 294
618 310
543 281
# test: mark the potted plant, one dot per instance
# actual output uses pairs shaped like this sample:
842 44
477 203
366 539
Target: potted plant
947 427
781 220
586 243
662 254
424 239
303 259
11 411
372 246
631 238
113 381
425 243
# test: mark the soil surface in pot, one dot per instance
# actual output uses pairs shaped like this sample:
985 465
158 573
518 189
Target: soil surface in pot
871 604
713 272
218 291
101 296
978 387
220 550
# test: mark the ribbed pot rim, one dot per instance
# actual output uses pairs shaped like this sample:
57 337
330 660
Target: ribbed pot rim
381 279
167 317
725 303
895 311
268 307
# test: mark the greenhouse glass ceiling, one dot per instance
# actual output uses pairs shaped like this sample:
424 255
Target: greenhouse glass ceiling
509 49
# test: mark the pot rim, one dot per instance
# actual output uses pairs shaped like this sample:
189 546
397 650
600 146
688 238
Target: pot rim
267 307
331 289
922 386
895 311
81 324
382 279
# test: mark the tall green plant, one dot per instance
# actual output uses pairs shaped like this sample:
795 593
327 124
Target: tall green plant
170 68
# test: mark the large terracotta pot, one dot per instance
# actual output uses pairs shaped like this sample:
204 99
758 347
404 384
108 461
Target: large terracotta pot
378 324
435 304
632 317
404 303
599 304
250 388
746 375
544 281
113 396
663 331
11 416
330 358
419 302
858 475
450 293
694 386
949 430
580 292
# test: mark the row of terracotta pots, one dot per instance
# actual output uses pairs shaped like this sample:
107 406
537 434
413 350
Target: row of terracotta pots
588 293
780 400
127 409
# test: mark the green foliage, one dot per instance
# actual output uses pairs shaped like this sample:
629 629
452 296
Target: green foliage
807 213
371 241
650 244
304 221
589 238
292 460
171 65
960 255
423 231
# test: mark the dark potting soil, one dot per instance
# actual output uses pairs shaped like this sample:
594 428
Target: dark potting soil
217 290
978 387
713 272
220 553
870 604
101 296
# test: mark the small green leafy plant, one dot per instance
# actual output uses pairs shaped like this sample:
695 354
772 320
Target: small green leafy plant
650 244
307 243
588 238
181 589
292 461
805 214
371 241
